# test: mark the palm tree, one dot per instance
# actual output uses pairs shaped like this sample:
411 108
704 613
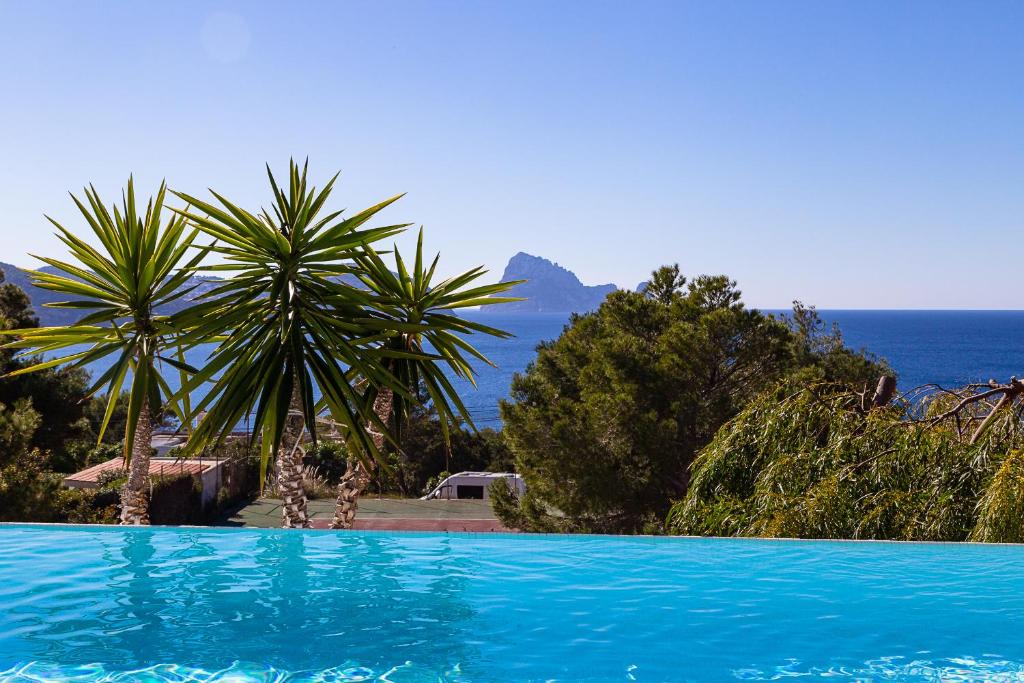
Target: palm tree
119 286
287 325
428 342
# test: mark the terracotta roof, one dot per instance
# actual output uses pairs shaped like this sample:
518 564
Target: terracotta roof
89 477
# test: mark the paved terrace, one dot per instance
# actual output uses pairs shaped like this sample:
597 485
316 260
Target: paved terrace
382 513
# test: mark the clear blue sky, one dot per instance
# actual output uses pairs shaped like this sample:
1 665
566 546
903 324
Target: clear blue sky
857 155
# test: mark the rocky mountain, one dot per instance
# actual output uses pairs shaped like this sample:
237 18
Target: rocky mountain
550 288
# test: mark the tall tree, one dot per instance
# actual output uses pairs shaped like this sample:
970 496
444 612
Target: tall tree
289 324
118 287
57 394
605 423
429 340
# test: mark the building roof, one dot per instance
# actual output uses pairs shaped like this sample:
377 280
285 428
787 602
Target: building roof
158 467
485 475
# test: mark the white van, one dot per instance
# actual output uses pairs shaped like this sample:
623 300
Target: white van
473 486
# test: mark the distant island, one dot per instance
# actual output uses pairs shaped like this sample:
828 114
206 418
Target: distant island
550 288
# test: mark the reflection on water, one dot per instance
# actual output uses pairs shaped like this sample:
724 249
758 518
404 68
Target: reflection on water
990 668
130 598
169 604
957 670
236 673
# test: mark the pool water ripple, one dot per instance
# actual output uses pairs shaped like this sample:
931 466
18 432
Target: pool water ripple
171 604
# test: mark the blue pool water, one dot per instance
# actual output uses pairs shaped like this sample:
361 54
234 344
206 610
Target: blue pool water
177 604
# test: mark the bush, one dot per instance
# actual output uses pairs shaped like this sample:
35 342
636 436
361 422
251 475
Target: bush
28 492
79 506
316 485
815 464
176 500
328 458
605 423
425 457
240 474
434 481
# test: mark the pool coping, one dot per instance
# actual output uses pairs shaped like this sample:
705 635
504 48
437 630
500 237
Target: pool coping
498 534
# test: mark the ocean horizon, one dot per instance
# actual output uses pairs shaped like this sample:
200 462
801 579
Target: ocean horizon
946 347
924 346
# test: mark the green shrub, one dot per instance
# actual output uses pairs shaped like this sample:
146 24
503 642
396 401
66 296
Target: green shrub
605 423
328 458
813 463
316 485
176 500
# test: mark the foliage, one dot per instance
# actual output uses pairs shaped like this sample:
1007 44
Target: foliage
57 394
605 422
296 325
1001 507
424 455
314 483
15 310
79 454
26 488
117 287
29 491
286 322
330 458
112 479
177 499
431 338
17 426
815 464
820 354
523 512
80 506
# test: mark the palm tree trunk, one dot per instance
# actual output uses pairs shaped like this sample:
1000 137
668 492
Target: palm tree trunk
135 493
356 477
294 509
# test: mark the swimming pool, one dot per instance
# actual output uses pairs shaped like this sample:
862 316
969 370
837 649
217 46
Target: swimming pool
177 604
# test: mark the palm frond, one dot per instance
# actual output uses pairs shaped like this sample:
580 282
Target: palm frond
118 287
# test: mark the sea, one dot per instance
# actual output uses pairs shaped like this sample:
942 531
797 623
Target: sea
949 348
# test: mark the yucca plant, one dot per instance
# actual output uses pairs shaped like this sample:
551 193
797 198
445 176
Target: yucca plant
119 286
429 340
287 325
